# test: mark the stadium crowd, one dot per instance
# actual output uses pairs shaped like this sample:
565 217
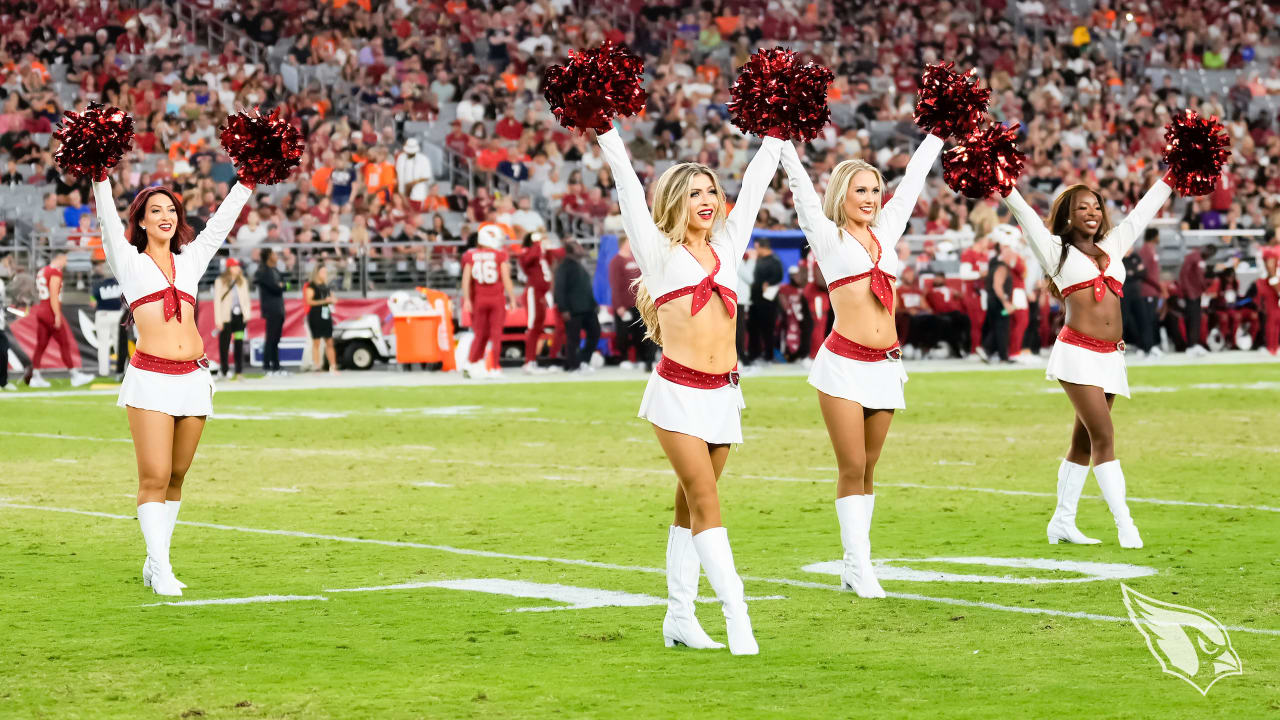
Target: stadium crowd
1091 91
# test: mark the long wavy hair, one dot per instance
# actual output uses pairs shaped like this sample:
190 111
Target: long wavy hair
838 188
671 216
182 233
1060 224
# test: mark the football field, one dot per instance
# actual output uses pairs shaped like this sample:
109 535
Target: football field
497 551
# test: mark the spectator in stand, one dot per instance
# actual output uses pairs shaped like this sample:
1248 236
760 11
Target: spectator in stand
413 172
629 332
995 340
945 303
1193 281
1151 290
763 320
577 305
250 235
74 210
271 289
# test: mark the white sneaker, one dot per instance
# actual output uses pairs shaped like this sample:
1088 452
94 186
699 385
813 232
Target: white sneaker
626 365
10 387
806 363
494 374
37 381
597 360
531 368
1156 353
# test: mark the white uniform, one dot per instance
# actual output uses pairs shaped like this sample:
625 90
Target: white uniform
842 257
1068 362
141 278
670 270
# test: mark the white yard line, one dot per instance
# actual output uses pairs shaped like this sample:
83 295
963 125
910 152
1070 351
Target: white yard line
609 566
240 601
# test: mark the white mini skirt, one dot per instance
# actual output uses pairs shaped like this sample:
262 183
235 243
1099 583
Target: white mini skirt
873 385
712 415
176 395
1074 364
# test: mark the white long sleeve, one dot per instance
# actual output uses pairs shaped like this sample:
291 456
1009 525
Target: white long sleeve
1046 246
647 243
819 230
895 214
114 244
202 249
1126 233
755 182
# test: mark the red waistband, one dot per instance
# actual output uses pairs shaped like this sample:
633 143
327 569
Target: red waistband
844 347
151 363
679 374
1100 286
172 298
1079 339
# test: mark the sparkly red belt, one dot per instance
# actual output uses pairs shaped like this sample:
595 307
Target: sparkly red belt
151 363
1079 339
844 347
679 374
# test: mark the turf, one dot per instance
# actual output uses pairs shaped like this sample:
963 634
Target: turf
535 474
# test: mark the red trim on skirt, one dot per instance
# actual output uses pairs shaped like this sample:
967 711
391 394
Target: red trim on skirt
151 363
673 371
1088 342
844 347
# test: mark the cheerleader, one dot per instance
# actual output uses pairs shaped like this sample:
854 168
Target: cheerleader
858 372
167 389
1269 291
1080 250
688 252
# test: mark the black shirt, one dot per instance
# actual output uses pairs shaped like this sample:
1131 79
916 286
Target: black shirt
768 270
270 290
107 293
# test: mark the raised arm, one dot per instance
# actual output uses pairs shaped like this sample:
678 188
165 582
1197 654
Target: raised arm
818 228
114 243
215 231
755 182
1135 224
646 242
893 217
1046 246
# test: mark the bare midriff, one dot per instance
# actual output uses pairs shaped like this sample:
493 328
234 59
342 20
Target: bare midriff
1096 318
705 341
861 317
170 339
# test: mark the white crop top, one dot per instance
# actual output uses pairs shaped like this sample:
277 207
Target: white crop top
842 257
670 270
1080 271
141 279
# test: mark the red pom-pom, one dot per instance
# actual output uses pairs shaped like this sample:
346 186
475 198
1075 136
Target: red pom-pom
264 149
1195 151
93 141
774 95
986 162
594 87
950 103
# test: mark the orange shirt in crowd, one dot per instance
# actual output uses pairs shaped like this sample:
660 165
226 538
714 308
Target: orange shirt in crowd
320 180
379 176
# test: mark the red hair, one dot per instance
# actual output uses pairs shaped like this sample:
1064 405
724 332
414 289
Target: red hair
182 234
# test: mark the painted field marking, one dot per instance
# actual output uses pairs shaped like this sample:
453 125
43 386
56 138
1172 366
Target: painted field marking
1088 571
283 490
576 598
240 601
607 566
653 471
428 483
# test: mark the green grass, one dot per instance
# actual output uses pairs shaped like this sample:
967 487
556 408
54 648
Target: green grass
565 471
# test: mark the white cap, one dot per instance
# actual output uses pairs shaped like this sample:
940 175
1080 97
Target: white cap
411 146
1005 234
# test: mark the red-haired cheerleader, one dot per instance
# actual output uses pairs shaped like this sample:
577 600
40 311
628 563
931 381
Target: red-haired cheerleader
858 372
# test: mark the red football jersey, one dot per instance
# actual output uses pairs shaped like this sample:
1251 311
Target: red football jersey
534 265
1019 272
486 268
943 299
44 281
912 298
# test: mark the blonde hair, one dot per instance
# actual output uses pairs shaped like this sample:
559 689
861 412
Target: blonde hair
671 216
315 272
838 188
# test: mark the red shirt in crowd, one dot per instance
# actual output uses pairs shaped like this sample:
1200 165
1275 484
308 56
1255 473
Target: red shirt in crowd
534 266
508 128
1151 273
1191 278
623 270
910 297
486 267
943 299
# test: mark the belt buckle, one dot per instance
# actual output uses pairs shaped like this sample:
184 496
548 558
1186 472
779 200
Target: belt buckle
734 377
203 362
1120 345
894 354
